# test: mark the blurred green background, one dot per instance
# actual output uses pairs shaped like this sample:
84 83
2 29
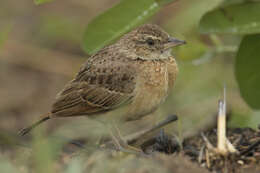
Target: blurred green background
42 47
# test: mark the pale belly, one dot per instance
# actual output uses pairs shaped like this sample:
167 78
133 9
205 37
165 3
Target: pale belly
151 91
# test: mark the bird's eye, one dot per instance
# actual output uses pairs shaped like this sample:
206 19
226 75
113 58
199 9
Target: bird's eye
150 41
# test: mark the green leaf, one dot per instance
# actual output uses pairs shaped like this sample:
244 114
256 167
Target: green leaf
116 21
39 2
231 2
164 2
247 70
188 15
235 19
239 119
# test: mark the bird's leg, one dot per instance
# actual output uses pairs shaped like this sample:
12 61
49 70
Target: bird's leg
127 142
121 143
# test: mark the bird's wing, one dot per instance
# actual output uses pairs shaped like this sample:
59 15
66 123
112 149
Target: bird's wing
99 87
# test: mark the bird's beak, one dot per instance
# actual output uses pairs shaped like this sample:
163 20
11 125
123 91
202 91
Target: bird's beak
173 42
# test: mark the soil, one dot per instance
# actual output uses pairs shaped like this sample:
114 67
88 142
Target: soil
245 140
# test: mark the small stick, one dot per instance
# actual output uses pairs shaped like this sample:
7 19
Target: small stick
130 139
224 145
222 124
208 159
201 154
222 148
253 146
231 147
208 144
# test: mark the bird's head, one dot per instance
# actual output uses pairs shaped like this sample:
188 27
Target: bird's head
150 42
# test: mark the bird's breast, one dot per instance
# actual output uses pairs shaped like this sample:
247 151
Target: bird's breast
154 81
152 87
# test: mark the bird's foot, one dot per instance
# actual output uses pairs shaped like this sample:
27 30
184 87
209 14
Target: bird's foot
120 143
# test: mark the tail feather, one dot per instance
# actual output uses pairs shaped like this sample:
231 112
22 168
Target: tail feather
28 129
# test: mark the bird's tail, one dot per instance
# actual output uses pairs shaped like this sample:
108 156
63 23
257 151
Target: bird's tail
43 118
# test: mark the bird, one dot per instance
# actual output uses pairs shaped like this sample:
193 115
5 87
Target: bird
136 73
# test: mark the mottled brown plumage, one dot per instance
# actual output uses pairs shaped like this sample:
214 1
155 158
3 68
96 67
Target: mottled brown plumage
137 72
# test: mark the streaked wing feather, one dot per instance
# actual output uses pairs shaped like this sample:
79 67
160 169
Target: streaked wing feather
93 92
